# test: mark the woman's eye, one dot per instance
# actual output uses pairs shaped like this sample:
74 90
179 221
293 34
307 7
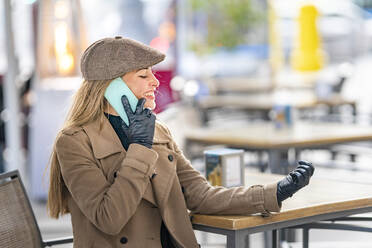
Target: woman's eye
143 76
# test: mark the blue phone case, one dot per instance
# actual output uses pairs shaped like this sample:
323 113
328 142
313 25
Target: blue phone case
116 89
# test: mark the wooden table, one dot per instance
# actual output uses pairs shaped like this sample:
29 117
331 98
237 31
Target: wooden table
256 85
320 200
264 103
263 136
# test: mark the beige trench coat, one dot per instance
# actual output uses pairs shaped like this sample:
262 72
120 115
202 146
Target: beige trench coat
115 200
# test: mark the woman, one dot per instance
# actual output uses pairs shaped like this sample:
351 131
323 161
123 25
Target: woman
130 184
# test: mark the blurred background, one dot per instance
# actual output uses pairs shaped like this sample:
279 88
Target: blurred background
228 63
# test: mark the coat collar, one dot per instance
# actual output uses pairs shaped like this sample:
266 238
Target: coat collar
105 141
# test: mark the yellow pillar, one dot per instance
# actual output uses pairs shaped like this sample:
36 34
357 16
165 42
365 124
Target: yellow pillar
307 55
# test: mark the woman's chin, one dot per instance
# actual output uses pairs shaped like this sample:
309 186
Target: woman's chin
150 104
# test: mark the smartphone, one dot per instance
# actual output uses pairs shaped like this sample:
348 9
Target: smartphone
116 89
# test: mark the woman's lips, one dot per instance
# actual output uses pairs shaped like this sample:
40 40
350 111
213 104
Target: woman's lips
149 95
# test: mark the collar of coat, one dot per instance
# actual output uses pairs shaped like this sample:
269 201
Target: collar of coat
105 141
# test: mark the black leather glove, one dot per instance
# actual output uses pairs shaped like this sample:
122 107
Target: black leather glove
141 123
296 179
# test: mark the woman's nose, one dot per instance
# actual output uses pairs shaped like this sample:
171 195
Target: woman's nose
154 81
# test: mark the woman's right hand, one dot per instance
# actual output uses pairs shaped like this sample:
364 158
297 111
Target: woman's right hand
141 123
295 180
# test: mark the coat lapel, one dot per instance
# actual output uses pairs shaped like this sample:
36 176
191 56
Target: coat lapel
105 142
163 183
165 169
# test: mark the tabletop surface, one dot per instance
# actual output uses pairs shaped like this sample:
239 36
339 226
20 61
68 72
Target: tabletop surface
264 135
319 197
300 100
244 84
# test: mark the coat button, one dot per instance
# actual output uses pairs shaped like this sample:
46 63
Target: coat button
170 157
123 240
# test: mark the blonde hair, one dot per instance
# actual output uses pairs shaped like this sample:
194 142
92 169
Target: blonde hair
88 105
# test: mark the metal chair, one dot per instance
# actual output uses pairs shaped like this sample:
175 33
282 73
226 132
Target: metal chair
18 226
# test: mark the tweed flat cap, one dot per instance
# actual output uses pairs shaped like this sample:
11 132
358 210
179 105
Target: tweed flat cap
110 58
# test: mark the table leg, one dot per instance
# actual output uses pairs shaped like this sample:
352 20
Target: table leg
204 116
261 164
289 235
305 238
354 112
237 239
297 155
275 238
267 239
278 161
266 115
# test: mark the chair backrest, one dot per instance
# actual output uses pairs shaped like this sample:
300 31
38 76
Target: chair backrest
18 226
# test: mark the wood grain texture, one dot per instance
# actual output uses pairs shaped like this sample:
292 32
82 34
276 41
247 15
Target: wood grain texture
319 197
